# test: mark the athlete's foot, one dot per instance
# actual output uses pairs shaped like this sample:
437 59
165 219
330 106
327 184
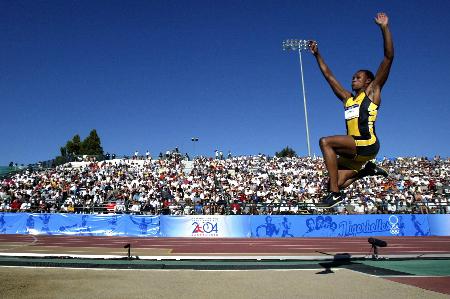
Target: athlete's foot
381 171
331 199
372 169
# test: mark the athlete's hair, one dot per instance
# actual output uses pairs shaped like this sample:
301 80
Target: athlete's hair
368 73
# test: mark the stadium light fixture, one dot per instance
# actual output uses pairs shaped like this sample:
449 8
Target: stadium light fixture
194 140
300 45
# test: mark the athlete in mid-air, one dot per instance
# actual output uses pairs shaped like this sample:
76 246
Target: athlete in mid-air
348 157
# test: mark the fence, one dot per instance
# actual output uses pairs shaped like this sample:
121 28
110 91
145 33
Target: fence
227 209
213 226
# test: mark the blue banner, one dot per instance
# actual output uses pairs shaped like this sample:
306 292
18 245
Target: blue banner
79 225
440 225
218 226
339 226
206 226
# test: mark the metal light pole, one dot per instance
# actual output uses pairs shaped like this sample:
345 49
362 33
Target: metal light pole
194 140
300 45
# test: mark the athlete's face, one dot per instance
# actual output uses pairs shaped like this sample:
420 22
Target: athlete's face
360 81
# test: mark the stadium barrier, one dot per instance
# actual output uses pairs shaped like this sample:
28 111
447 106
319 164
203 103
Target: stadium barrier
245 209
219 226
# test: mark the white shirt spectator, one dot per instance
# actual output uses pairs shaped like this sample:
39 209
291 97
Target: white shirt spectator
25 206
136 207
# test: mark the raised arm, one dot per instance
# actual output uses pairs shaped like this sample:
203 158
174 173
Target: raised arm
337 88
382 74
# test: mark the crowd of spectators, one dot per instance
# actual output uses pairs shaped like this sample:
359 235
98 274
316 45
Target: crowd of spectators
233 185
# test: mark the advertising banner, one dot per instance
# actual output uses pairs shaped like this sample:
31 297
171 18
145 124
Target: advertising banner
219 226
204 226
339 226
440 225
79 224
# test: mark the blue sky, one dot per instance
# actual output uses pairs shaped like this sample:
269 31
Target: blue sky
153 74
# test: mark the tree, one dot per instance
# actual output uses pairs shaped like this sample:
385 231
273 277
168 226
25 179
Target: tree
286 152
63 151
59 161
73 147
92 144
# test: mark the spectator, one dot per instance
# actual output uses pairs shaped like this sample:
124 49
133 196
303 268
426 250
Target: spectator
70 208
15 205
135 208
246 185
25 206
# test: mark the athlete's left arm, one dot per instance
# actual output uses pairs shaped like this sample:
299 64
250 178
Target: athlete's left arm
385 66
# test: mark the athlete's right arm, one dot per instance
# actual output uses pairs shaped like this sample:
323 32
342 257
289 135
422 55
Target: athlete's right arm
337 88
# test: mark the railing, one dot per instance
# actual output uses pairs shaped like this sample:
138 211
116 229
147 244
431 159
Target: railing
245 209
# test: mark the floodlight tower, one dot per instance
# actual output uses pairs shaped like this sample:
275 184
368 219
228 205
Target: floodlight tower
300 45
194 140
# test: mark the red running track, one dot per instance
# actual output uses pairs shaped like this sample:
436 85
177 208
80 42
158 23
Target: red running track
437 284
234 246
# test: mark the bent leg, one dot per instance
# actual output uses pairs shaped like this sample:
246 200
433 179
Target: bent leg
346 178
331 147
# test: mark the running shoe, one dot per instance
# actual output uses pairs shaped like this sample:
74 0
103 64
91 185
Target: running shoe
331 199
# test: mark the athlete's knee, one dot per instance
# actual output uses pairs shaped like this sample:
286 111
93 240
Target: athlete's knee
323 142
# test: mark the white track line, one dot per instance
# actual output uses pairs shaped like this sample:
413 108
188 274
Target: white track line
221 256
168 270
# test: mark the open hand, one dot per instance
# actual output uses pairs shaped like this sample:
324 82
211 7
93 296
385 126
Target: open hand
313 47
381 19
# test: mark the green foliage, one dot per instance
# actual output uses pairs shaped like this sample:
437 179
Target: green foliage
91 145
286 152
63 151
73 147
59 161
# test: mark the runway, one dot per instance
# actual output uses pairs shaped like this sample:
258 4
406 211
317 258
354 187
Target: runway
419 264
157 248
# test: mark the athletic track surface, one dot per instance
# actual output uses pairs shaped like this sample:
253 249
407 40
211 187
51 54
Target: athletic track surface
86 245
328 250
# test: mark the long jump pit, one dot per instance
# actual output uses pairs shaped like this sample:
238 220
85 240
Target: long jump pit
121 267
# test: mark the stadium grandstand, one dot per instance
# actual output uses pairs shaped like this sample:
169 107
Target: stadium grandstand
244 185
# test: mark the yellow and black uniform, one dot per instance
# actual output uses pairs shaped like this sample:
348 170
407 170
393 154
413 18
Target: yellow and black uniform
360 116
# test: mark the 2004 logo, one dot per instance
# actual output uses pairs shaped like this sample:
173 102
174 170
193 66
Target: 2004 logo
206 227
